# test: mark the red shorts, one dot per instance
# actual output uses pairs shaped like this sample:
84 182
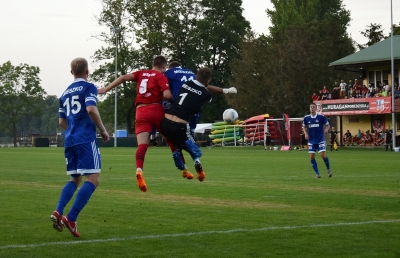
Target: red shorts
149 117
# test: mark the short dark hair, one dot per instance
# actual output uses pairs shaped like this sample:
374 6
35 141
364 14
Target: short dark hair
204 75
159 61
79 66
174 64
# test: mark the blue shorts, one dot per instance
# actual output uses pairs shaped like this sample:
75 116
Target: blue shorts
83 159
313 148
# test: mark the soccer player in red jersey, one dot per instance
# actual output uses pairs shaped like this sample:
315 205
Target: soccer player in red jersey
152 88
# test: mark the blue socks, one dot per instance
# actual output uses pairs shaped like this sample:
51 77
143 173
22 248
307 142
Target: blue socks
326 161
315 166
66 195
82 198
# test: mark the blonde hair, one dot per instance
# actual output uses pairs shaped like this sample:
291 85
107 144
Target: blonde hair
79 66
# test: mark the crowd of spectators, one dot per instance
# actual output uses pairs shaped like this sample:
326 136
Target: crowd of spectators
350 90
364 138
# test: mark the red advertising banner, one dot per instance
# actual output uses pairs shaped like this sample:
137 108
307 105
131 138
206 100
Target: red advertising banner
359 106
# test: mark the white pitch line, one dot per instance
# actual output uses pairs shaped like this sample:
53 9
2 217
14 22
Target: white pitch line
239 230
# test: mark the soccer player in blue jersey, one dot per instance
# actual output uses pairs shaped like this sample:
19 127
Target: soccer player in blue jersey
177 76
315 127
79 117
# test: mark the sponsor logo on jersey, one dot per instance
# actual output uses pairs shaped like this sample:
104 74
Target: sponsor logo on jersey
313 125
149 74
191 89
183 71
71 90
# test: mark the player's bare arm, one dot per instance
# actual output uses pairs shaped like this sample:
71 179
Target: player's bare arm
305 132
116 82
63 123
167 95
95 116
327 129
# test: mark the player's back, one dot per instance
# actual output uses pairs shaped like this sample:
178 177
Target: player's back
191 97
72 107
177 77
150 86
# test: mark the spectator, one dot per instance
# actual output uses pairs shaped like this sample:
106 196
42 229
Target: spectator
343 89
384 93
364 91
315 96
379 138
324 93
350 88
386 87
397 93
347 138
353 94
379 86
359 137
357 88
336 91
368 137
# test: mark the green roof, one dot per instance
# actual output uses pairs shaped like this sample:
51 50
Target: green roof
379 52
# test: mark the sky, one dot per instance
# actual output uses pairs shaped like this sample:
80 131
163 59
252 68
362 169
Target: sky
49 33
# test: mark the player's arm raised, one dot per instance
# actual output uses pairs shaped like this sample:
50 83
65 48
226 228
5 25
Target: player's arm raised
215 89
116 82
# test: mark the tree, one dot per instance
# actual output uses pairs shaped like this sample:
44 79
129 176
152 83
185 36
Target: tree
195 33
219 36
374 34
292 62
20 91
115 14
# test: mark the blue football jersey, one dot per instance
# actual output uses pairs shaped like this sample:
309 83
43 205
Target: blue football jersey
72 106
315 128
177 77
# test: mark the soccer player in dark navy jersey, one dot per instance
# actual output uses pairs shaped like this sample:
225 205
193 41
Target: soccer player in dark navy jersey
79 117
175 126
178 76
315 127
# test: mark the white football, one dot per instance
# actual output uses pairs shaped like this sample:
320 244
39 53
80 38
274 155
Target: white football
230 115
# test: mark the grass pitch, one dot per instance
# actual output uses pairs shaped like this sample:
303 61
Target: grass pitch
253 203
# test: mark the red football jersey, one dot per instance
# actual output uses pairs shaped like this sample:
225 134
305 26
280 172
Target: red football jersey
150 85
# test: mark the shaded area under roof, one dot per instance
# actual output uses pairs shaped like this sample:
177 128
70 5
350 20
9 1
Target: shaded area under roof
377 54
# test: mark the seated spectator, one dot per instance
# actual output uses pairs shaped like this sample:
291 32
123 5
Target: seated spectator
379 138
353 94
364 91
368 137
315 96
324 93
347 138
397 93
359 138
378 93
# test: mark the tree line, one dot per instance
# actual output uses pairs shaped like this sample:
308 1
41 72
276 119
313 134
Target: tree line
273 73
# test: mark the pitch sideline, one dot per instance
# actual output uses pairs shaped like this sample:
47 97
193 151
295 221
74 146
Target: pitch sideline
198 233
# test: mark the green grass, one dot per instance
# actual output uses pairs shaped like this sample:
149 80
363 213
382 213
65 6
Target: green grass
253 203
